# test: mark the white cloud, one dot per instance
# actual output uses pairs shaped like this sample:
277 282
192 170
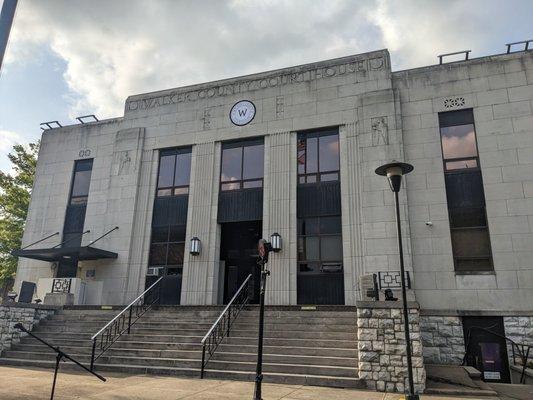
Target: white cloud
8 139
117 48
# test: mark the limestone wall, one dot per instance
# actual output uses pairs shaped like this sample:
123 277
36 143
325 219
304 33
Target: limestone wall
442 339
382 346
11 314
499 90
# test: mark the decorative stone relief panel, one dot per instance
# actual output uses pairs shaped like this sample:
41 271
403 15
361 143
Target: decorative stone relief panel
280 107
380 131
454 102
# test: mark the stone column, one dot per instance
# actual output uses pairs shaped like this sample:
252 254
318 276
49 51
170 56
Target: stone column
382 350
352 247
279 215
200 273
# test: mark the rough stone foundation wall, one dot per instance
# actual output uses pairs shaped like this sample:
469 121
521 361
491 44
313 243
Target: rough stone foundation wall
28 314
519 329
382 346
442 339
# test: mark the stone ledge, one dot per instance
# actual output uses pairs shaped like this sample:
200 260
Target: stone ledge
34 306
474 313
386 304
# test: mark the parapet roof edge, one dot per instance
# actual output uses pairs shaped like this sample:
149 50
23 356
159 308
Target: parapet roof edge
514 54
86 125
313 65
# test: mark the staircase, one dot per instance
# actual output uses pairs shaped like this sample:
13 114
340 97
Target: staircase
317 347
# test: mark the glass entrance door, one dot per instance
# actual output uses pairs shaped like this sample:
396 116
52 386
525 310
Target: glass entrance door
239 253
486 347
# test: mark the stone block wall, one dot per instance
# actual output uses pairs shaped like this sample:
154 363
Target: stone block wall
519 329
12 313
382 346
442 339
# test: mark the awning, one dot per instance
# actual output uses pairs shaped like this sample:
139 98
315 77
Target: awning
82 253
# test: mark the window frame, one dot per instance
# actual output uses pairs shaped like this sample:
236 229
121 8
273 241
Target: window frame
85 198
489 268
319 235
162 268
173 152
318 174
241 182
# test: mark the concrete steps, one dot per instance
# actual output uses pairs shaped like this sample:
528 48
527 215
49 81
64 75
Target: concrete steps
315 347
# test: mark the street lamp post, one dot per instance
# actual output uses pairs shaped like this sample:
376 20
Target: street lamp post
263 248
394 172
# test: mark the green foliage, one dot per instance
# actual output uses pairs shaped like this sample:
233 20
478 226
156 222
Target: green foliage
15 193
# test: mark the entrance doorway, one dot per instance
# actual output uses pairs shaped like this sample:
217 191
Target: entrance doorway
486 347
238 251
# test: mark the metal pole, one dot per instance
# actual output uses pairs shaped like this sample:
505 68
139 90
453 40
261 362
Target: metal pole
259 367
58 359
6 20
411 395
93 351
203 362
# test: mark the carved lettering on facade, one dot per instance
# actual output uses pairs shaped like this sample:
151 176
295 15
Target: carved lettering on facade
280 107
359 67
380 131
84 153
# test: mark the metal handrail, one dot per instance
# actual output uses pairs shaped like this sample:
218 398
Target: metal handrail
522 349
221 327
114 329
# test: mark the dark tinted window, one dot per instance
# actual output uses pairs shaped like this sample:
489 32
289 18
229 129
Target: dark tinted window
81 181
320 244
318 156
242 165
464 192
174 172
183 169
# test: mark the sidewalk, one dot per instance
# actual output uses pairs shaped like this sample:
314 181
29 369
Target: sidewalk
33 384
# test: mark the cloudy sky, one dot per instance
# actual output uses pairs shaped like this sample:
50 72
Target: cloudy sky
68 58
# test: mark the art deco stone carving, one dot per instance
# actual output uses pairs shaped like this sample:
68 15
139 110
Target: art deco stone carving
380 131
454 102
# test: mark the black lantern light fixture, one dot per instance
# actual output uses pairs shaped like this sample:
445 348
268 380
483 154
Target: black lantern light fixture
394 172
275 242
195 246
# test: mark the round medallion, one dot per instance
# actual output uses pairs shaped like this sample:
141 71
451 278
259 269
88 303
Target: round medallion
242 113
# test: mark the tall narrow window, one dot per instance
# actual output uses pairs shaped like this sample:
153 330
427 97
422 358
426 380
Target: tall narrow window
174 172
318 157
75 215
242 165
320 278
464 192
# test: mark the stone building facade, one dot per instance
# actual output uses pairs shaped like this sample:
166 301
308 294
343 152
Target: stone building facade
468 239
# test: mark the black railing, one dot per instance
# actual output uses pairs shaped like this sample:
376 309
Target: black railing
222 326
520 351
123 321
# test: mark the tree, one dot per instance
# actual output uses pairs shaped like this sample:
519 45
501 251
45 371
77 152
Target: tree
15 193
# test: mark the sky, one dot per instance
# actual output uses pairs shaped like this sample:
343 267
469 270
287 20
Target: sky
67 58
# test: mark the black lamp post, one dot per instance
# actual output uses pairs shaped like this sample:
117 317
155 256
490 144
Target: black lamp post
394 172
263 248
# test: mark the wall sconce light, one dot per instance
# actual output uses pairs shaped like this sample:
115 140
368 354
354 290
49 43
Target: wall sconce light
275 241
195 246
